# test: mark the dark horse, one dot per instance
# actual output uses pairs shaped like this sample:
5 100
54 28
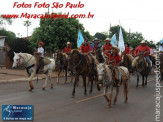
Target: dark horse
126 62
61 63
99 56
141 68
78 62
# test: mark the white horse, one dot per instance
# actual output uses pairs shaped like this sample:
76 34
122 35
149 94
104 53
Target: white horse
106 79
29 62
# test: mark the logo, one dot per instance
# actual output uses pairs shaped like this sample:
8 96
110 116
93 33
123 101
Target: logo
17 112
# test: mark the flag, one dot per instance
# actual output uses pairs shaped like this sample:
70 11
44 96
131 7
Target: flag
121 44
80 39
113 40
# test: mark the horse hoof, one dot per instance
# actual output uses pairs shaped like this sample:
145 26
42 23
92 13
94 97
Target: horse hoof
85 94
90 92
73 96
137 86
30 89
51 86
43 88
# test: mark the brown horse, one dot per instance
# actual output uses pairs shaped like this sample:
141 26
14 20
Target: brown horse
79 63
106 78
61 63
141 67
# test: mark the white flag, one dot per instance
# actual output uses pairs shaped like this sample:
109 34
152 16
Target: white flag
121 44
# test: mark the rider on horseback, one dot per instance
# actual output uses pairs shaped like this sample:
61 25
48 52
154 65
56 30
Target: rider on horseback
67 49
127 48
86 49
95 45
40 52
115 60
143 47
107 46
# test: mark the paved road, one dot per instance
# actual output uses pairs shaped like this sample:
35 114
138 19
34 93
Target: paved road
56 105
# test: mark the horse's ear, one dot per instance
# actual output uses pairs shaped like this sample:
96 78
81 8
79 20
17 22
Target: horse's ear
14 53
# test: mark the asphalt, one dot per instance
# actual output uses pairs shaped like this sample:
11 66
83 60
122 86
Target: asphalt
56 105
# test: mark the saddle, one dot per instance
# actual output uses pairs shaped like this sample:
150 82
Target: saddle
46 60
90 59
134 62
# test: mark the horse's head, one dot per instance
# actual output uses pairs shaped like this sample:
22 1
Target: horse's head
100 72
17 60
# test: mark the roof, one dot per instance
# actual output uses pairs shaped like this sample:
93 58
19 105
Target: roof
2 37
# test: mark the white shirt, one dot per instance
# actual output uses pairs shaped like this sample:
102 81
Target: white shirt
152 51
161 49
41 50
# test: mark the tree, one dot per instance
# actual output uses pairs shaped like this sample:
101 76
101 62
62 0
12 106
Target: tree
115 30
27 23
100 36
55 33
135 38
4 20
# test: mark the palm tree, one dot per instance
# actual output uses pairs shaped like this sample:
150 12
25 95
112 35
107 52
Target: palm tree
27 23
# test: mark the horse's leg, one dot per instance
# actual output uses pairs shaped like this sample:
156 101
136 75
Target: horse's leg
91 88
71 77
142 80
88 81
46 80
117 92
65 75
126 91
73 92
110 97
137 79
105 91
146 80
51 84
58 76
30 81
85 86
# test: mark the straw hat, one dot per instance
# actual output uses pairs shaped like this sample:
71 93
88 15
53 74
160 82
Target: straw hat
116 48
68 43
143 42
96 39
107 39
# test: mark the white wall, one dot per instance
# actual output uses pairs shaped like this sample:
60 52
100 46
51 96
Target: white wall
2 41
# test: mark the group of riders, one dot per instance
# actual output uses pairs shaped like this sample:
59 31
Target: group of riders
112 52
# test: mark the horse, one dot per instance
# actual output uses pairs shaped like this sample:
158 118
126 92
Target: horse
79 64
106 78
61 62
127 61
141 67
99 55
29 62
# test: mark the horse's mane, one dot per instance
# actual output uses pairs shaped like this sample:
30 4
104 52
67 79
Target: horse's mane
75 50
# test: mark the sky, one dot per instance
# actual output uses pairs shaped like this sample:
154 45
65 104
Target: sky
143 16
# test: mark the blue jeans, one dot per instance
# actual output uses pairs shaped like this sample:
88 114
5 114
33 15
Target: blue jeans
149 63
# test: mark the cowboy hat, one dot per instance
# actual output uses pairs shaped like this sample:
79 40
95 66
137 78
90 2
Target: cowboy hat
96 39
68 43
143 42
116 48
107 39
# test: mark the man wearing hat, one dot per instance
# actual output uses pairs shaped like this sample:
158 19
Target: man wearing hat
127 48
40 52
85 47
67 49
95 45
143 47
115 60
107 46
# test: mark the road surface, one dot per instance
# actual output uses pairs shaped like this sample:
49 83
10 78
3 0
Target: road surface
56 105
